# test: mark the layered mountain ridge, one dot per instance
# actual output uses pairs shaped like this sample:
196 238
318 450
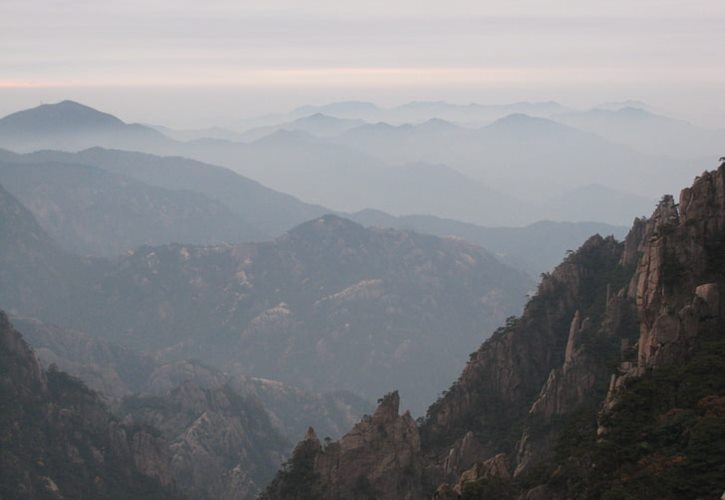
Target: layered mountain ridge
327 290
399 169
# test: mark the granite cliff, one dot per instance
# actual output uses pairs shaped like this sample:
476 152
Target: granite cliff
609 385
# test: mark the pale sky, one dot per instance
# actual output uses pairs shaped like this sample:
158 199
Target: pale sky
184 62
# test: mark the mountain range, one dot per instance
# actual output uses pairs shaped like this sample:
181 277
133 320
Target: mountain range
186 324
648 132
380 299
249 209
83 199
535 248
516 170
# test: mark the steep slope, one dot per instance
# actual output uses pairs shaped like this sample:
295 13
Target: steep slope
221 445
213 442
89 211
109 369
610 384
59 441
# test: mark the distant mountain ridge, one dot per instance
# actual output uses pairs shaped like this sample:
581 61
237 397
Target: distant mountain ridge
250 212
90 211
317 124
648 132
535 248
420 111
532 157
68 126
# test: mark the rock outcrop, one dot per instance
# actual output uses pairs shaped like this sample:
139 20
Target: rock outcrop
221 444
379 457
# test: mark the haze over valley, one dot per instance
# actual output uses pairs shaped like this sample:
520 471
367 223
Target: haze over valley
411 250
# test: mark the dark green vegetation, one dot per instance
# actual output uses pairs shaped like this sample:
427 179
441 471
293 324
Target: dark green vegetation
297 479
56 437
665 436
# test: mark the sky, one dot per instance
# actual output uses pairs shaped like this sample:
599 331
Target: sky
192 63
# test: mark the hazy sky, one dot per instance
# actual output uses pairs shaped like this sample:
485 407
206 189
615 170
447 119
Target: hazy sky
183 62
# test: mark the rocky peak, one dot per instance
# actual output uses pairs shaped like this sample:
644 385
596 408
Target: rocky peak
704 202
682 249
633 242
379 457
505 375
388 408
311 436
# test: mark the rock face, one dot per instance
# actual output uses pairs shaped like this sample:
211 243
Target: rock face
521 420
59 441
683 251
495 391
221 445
379 458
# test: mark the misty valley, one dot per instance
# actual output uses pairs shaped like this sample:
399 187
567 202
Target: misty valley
352 301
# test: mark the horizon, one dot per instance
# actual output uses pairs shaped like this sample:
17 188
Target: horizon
226 61
243 122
